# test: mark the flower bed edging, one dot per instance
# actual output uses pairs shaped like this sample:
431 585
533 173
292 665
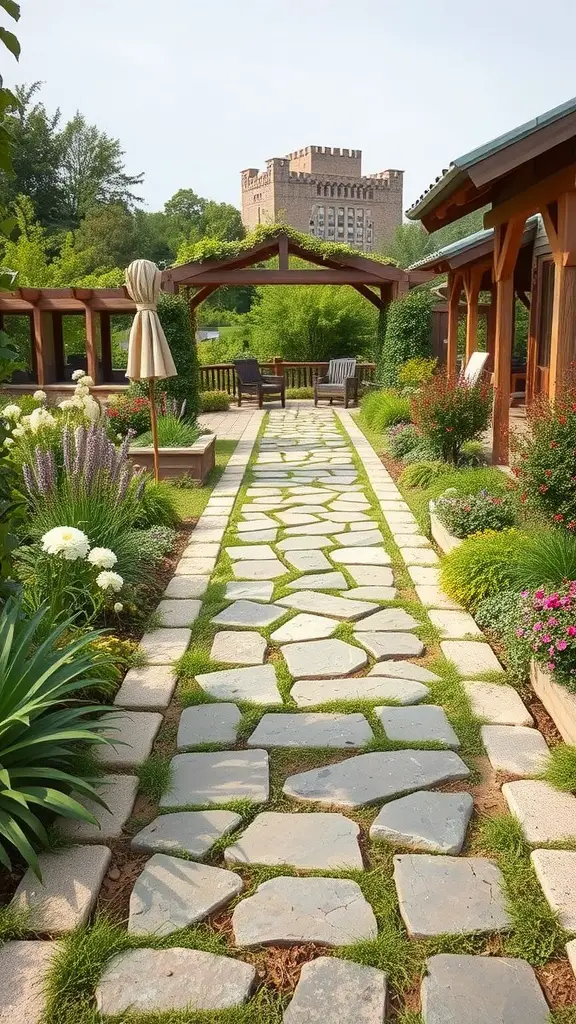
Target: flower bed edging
446 541
195 461
558 701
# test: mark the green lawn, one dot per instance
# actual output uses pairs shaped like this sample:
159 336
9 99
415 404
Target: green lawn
190 502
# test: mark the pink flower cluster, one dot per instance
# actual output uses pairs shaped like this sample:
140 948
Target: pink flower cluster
549 627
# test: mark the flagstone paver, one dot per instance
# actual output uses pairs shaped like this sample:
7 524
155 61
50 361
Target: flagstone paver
190 832
155 980
64 899
258 536
449 895
187 587
481 990
305 542
318 658
371 593
425 723
312 841
432 596
404 670
164 646
248 613
311 692
390 645
515 749
556 871
498 703
371 575
208 723
266 570
237 647
326 604
307 561
424 575
331 991
251 590
471 657
217 778
320 729
304 627
331 911
119 794
361 556
24 967
131 735
368 778
454 624
429 821
257 684
147 688
172 893
320 581
545 814
389 619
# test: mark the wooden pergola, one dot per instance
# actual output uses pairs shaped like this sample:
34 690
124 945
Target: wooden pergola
45 308
469 266
377 281
531 169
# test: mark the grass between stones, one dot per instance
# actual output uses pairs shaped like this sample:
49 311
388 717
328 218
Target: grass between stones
561 768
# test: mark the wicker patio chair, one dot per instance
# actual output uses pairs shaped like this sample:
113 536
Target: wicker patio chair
339 382
257 385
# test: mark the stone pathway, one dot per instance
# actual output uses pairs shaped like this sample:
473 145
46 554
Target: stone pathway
307 623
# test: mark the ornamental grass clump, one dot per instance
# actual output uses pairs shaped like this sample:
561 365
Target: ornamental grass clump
544 457
449 412
474 513
548 630
483 565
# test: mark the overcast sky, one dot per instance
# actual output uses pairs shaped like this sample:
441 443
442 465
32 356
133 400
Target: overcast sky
196 90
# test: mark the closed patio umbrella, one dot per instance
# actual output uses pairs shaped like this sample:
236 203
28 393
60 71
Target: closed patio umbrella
149 356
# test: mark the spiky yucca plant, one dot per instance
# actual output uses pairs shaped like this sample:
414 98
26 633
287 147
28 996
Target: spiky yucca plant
43 722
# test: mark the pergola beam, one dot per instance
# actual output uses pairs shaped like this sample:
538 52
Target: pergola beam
295 276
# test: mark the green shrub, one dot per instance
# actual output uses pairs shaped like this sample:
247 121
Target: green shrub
214 401
561 768
474 513
157 542
548 558
382 409
499 616
449 412
42 726
422 452
416 372
172 433
544 458
299 392
179 328
402 439
421 474
481 566
408 334
156 506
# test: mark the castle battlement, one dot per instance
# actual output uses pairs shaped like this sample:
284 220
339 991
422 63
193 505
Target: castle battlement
321 190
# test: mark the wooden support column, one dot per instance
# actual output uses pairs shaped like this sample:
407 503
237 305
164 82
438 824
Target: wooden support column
507 238
454 291
491 330
92 366
472 281
58 338
562 237
283 260
532 352
106 342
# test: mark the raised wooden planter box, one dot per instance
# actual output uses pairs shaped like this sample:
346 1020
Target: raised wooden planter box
195 461
558 701
446 541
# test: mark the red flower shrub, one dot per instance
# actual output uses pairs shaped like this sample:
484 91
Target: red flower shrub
449 412
126 413
544 456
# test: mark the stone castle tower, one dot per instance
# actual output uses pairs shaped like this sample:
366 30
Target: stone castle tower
321 191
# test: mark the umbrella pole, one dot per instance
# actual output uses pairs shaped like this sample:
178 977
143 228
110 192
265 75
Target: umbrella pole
154 425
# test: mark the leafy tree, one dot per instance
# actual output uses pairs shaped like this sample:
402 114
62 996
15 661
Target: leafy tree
7 99
92 171
221 220
109 232
311 322
36 156
185 209
408 244
408 333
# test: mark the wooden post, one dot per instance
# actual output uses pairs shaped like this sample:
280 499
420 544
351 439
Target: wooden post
532 353
154 426
106 343
41 369
283 258
92 367
59 353
472 281
563 338
507 238
454 290
491 329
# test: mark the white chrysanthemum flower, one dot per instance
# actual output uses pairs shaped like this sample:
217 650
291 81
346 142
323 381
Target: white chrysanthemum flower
87 381
118 607
8 442
66 404
66 541
78 374
91 408
40 396
37 419
11 412
110 581
81 390
18 432
104 558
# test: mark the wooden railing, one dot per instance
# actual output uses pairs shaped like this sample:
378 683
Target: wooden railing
222 377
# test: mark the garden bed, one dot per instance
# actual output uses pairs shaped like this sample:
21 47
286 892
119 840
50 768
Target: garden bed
558 701
445 540
195 462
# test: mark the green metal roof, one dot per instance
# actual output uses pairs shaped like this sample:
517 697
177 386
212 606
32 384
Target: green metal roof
471 242
457 170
